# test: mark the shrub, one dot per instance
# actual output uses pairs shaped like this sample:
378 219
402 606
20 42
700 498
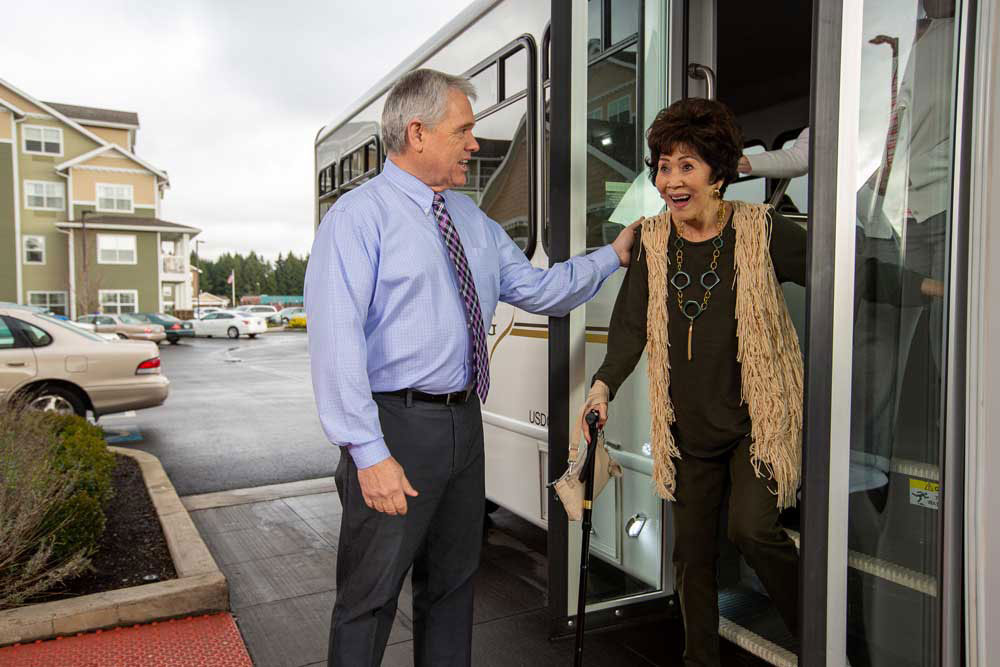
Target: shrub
55 478
297 322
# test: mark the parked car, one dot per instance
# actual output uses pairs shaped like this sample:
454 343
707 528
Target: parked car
205 310
230 323
126 325
172 326
57 366
285 314
263 311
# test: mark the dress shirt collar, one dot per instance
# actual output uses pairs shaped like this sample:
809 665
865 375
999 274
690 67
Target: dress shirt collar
412 186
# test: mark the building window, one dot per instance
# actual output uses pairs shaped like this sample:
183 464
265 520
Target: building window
34 249
116 301
45 195
114 198
43 140
619 110
116 249
53 301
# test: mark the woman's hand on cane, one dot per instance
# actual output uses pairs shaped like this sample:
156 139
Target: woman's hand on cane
597 399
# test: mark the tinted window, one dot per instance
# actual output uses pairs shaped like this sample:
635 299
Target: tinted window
7 339
132 319
35 336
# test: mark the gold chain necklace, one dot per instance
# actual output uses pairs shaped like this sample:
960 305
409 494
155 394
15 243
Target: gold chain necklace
681 280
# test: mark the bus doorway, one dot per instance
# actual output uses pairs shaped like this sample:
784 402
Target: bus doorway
758 63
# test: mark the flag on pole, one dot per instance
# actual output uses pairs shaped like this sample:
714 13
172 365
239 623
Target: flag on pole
231 278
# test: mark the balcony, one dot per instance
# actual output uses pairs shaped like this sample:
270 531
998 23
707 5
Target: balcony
175 265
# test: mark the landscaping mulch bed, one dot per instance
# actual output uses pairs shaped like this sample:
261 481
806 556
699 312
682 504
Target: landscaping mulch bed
132 551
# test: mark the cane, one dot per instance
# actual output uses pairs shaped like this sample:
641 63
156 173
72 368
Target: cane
587 476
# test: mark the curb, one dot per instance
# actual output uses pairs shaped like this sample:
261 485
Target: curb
200 586
257 494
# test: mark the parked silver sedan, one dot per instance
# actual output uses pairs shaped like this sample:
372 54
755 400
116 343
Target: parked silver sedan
57 366
125 325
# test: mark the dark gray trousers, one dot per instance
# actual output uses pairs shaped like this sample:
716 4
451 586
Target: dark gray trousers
441 450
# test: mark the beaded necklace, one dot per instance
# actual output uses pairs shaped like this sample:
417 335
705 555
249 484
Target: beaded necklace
681 280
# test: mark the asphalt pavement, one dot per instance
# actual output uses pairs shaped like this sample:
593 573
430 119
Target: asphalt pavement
240 414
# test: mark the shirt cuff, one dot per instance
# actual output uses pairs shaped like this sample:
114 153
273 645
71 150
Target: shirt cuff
369 453
607 260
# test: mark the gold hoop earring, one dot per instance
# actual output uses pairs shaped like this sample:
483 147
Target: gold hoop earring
717 193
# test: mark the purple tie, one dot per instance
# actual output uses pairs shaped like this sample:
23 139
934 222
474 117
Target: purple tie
467 288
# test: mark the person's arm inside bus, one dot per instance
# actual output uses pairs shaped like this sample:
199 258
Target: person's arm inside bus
785 163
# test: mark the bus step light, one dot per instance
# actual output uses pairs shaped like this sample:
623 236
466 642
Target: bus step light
634 525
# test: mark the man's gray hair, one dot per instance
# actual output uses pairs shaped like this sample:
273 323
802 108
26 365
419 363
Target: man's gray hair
419 95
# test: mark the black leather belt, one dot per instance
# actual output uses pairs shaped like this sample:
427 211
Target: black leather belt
448 399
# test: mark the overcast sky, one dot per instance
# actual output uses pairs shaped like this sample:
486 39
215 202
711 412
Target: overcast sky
229 94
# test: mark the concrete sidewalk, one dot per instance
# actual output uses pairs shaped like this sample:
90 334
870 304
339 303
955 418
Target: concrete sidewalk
278 549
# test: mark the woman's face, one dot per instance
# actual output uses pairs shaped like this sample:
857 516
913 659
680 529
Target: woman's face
683 180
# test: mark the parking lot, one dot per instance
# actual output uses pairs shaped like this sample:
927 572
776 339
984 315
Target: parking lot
240 414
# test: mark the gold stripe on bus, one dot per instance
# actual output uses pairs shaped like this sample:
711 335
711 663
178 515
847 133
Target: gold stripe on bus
530 333
601 338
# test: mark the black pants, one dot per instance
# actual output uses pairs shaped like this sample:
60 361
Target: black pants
753 528
441 450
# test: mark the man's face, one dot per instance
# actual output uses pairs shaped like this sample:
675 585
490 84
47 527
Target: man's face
445 149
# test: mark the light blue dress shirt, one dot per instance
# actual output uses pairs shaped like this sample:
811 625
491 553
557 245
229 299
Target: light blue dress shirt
384 310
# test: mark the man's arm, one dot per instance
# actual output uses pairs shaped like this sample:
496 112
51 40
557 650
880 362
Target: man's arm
340 281
564 286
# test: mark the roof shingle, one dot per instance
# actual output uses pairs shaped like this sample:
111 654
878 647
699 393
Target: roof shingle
94 114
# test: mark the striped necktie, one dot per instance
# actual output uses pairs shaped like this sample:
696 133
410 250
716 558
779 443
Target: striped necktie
467 289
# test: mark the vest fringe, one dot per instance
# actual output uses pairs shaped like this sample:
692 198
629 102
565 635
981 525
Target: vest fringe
767 349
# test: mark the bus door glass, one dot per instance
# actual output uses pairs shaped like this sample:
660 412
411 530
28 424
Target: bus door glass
903 251
627 563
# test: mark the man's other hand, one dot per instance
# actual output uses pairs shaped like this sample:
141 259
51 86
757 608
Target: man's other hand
623 244
385 487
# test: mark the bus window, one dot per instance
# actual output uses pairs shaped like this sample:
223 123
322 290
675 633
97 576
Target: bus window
612 155
515 73
594 31
500 173
358 162
486 89
624 19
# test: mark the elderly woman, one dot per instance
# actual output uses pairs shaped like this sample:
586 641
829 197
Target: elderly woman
703 296
724 363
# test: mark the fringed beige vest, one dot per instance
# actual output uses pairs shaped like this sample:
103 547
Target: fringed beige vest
768 350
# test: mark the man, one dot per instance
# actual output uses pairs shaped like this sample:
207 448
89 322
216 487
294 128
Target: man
403 280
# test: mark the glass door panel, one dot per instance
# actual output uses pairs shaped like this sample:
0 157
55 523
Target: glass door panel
627 559
906 128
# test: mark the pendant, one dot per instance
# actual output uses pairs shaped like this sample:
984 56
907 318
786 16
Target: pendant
690 332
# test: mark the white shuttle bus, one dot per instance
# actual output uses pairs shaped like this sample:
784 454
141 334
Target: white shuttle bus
902 105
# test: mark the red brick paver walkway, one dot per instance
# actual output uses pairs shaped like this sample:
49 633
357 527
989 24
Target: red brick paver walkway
209 641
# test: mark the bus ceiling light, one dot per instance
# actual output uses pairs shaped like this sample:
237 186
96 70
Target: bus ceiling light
634 525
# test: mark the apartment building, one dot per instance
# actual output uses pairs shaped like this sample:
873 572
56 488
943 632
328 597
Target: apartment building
80 225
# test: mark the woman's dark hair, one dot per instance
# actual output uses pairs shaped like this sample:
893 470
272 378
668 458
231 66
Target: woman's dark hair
706 126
